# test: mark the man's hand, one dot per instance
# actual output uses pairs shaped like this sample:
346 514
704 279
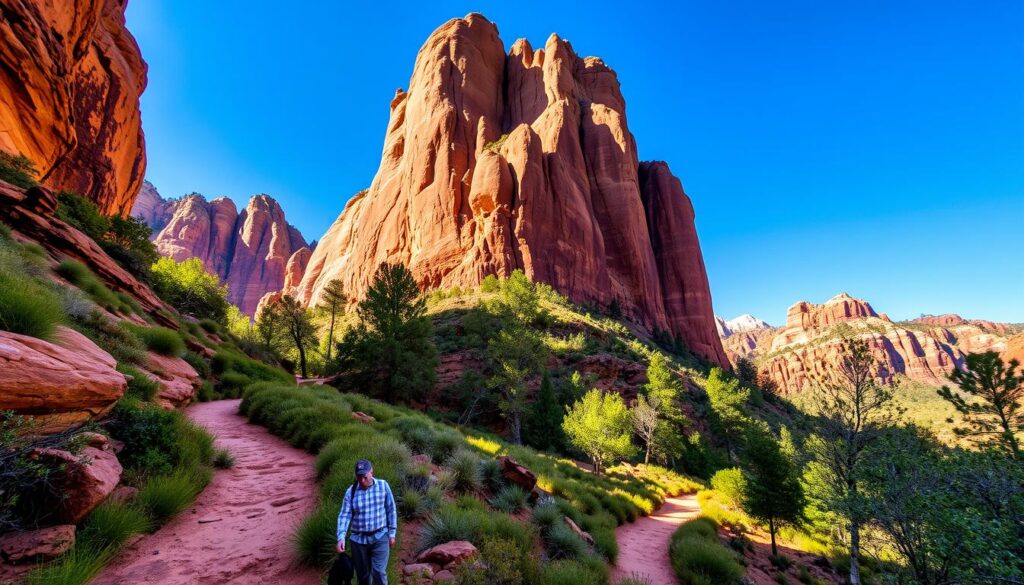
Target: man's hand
391 541
341 545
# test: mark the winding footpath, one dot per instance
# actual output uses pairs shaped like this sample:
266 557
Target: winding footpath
239 529
643 545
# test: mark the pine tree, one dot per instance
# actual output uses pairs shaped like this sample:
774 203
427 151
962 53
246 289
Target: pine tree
333 302
994 415
543 428
729 408
772 492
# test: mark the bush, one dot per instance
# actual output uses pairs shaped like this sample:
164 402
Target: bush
223 459
562 543
198 363
490 474
464 469
502 562
730 483
158 339
156 440
510 499
27 307
698 558
572 572
111 524
79 275
188 287
140 386
127 241
314 539
118 342
444 446
83 214
18 170
165 496
413 504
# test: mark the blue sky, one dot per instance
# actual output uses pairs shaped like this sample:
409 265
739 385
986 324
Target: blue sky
869 147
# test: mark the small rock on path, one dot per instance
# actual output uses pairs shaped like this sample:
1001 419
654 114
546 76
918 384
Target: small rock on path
643 545
233 533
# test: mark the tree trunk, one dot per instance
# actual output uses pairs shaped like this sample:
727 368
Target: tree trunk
330 336
302 356
647 455
771 529
515 428
854 553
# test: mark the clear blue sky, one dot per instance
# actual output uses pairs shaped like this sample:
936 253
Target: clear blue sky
870 147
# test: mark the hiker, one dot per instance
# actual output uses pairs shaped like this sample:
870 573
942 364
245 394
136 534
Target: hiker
369 509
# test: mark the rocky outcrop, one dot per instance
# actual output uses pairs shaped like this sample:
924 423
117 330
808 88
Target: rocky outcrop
809 347
83 481
153 209
37 545
253 252
62 383
494 162
70 79
178 381
30 212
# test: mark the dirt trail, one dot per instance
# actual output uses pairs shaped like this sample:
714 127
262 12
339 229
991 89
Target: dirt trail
643 545
239 529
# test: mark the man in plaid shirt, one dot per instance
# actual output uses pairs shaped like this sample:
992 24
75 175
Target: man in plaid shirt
369 509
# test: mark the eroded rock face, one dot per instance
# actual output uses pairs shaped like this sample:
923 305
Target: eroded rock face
61 383
37 545
178 381
809 347
85 479
254 252
494 162
153 209
70 79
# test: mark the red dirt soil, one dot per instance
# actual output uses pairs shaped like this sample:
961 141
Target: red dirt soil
239 529
643 545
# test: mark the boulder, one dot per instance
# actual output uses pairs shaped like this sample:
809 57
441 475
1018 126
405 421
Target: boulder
61 382
443 576
516 473
85 480
178 380
37 545
449 553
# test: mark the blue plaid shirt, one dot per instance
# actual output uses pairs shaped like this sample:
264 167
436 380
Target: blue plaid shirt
371 513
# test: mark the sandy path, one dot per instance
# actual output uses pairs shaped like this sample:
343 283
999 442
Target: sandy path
239 529
643 545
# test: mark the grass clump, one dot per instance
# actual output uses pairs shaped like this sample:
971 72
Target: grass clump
18 170
140 386
698 558
27 307
166 496
159 340
510 499
464 470
79 275
112 523
76 567
314 539
223 459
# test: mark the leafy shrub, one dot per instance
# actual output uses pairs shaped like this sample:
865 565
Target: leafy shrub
165 496
158 339
464 468
127 241
27 307
223 459
188 287
112 523
156 440
200 364
17 169
140 386
510 499
730 483
502 562
699 558
82 214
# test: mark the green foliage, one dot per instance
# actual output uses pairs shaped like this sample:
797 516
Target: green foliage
332 301
599 425
464 469
390 352
574 571
510 499
314 539
731 483
746 371
289 320
490 284
561 542
18 170
166 496
474 525
76 567
516 354
140 386
112 523
223 459
159 340
127 242
993 413
502 562
772 492
699 559
82 214
157 440
79 275
26 305
728 407
189 288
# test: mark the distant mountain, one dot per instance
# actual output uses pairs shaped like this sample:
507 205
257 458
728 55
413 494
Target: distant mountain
251 252
742 324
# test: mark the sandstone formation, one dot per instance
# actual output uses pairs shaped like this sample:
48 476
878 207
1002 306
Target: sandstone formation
153 209
37 545
30 213
83 480
496 161
177 380
808 347
70 79
61 383
253 252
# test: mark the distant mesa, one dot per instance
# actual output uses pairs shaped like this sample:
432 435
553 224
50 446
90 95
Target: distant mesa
496 161
250 251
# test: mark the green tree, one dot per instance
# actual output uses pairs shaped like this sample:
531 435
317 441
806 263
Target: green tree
297 323
772 491
190 289
516 354
728 400
645 424
746 371
543 425
599 426
518 300
332 302
390 351
127 241
268 328
663 387
992 411
853 412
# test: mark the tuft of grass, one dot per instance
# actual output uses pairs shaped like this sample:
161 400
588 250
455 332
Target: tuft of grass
77 567
159 340
562 543
510 499
464 469
490 474
27 307
314 538
164 497
699 558
140 386
79 275
413 504
112 523
574 571
223 459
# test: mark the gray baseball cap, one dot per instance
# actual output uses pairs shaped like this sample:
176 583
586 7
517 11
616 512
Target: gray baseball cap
363 467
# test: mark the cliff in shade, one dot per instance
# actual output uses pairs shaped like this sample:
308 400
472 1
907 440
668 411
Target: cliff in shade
808 346
496 161
70 79
249 251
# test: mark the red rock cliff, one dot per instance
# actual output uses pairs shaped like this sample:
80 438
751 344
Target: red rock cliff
249 251
496 161
70 79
